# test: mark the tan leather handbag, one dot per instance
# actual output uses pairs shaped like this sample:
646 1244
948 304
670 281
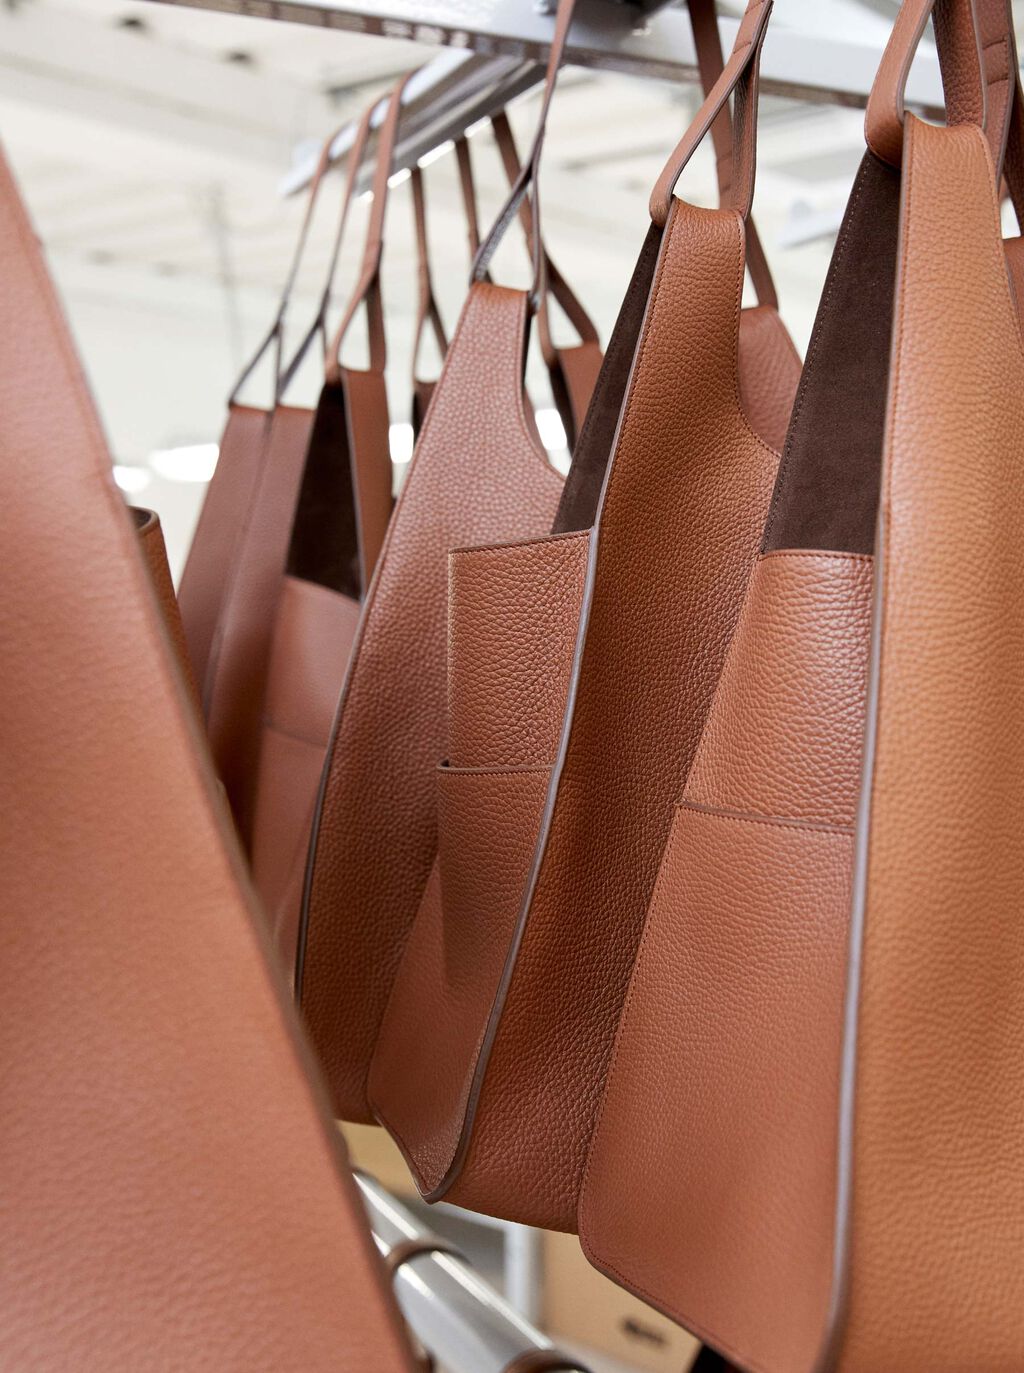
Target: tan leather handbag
305 540
809 1151
580 670
175 1194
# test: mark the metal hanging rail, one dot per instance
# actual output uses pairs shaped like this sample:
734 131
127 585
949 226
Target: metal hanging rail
641 39
454 1314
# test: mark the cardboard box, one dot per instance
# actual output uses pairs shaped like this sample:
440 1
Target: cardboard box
375 1152
582 1305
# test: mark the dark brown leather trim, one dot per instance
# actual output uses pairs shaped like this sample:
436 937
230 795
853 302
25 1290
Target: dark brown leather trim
581 495
325 543
826 494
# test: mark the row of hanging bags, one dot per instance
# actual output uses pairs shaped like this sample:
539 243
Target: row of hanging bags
458 1059
811 1148
284 549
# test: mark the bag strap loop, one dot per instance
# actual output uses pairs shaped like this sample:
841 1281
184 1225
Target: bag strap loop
427 309
740 75
528 177
367 289
275 334
962 72
319 323
707 41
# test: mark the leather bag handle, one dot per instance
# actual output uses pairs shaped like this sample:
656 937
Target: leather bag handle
740 75
319 323
367 289
962 72
275 334
427 309
1004 103
555 282
707 41
528 176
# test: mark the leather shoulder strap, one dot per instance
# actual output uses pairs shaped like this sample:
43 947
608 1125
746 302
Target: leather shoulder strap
957 34
710 64
367 289
740 77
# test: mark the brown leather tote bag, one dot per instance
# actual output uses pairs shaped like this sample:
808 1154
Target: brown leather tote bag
477 478
175 1193
581 666
809 1149
305 546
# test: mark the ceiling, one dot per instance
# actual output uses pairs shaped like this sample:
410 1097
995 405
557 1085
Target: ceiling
151 142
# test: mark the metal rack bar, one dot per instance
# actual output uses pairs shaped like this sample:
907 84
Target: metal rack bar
607 35
454 1314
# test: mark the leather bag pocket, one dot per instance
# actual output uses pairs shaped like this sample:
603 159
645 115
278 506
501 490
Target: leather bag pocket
513 619
732 1019
422 1073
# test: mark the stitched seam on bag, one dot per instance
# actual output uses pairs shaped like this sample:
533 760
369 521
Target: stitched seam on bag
511 770
815 825
741 262
518 545
824 554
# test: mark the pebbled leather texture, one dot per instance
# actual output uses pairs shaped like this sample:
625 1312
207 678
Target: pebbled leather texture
710 1188
769 372
477 475
935 1140
513 612
683 510
181 1201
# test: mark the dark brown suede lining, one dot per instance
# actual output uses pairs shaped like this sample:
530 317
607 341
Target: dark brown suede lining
325 542
826 495
582 493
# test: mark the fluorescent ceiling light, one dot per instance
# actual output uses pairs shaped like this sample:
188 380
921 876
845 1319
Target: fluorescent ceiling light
442 150
401 442
192 463
131 480
551 430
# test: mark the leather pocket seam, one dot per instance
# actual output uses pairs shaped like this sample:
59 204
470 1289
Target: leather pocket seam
776 821
493 770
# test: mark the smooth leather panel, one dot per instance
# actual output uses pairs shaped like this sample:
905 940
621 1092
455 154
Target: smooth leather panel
476 476
937 1143
154 550
234 690
207 571
710 1188
313 633
423 1068
176 1197
513 617
683 510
